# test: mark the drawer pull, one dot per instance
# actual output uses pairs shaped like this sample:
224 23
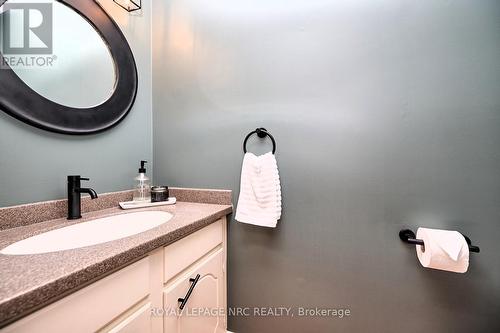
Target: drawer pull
184 300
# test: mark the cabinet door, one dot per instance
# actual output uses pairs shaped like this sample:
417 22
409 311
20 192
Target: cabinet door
92 307
204 310
138 322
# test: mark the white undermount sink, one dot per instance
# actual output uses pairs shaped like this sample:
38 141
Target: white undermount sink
93 232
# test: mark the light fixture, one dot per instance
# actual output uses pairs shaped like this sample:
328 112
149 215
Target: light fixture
129 5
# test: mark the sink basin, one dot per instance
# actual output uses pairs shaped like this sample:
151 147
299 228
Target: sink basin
89 233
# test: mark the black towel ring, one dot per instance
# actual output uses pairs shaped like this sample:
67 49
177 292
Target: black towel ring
261 133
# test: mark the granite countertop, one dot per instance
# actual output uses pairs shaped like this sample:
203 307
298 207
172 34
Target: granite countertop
29 282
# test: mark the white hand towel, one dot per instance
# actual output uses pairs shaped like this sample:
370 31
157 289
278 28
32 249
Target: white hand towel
259 202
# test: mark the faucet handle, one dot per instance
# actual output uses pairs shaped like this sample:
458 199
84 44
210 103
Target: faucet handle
76 178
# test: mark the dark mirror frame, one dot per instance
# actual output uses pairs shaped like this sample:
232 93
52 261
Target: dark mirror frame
22 102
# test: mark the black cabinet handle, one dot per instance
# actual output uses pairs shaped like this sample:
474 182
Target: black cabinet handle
184 300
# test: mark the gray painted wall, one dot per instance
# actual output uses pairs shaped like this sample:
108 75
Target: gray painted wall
34 163
386 114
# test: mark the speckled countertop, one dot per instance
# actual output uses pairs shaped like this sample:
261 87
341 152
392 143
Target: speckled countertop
29 282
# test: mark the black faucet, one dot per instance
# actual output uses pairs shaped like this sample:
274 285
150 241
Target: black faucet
74 199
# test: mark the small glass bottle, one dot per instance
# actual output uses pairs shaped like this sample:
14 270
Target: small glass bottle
142 188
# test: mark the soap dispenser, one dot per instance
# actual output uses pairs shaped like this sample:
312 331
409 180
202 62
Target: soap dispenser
142 188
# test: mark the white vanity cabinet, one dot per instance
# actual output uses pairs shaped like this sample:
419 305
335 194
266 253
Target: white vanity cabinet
144 296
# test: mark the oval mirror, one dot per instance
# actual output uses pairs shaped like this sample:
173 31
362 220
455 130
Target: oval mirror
65 66
79 56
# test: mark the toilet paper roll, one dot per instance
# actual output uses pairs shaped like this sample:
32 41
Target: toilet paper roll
445 250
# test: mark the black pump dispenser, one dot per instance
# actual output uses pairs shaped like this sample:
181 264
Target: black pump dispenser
142 169
142 187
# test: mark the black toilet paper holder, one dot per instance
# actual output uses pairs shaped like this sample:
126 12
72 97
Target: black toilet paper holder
408 236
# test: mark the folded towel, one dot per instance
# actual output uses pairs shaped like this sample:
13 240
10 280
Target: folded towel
259 202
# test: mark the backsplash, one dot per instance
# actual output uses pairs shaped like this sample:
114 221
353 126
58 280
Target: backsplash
21 215
16 216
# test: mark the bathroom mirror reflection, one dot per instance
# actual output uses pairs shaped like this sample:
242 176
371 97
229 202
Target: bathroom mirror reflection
80 59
